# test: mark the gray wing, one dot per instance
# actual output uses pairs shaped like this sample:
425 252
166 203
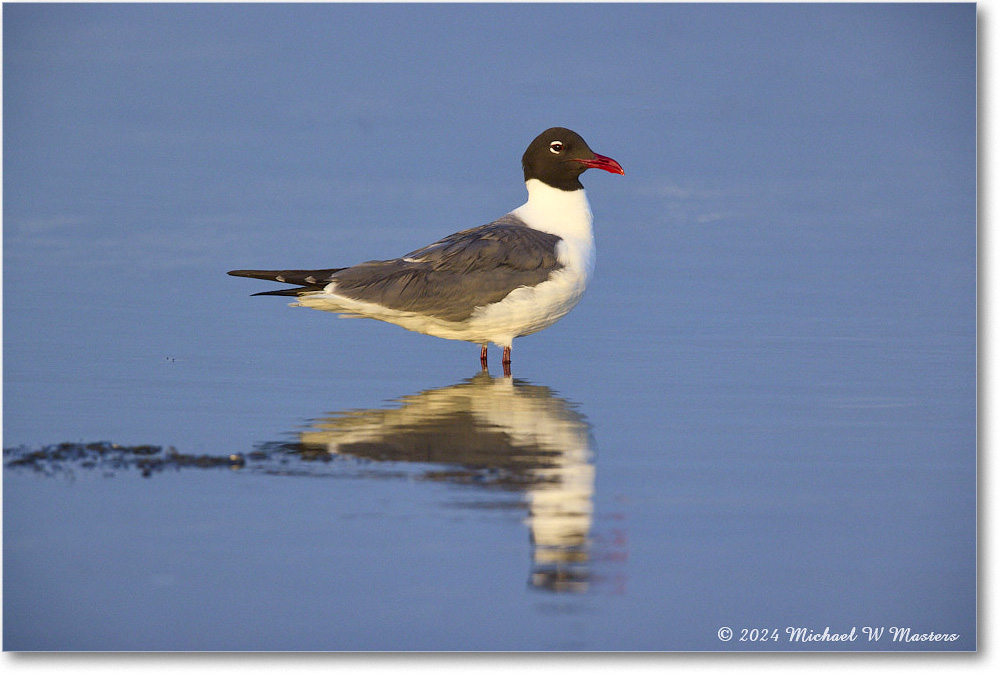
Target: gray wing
451 277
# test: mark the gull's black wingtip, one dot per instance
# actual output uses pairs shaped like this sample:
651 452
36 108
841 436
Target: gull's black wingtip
287 292
311 278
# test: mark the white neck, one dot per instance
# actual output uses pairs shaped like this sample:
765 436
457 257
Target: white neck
564 214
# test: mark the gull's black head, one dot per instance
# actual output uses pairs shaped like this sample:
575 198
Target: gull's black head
558 156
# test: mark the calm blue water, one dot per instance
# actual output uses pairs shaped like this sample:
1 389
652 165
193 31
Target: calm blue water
761 416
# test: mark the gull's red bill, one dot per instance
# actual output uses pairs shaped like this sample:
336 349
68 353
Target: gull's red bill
602 162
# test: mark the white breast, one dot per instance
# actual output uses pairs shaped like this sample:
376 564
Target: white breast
566 215
530 309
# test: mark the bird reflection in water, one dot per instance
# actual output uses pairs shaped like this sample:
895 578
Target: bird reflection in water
496 433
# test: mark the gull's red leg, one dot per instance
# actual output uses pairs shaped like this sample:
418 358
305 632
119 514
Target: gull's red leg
482 357
506 361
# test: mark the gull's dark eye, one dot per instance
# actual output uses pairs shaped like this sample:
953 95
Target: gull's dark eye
556 146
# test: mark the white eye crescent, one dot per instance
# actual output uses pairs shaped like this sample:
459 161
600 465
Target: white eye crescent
556 147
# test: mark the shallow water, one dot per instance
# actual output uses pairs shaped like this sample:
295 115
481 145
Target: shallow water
761 416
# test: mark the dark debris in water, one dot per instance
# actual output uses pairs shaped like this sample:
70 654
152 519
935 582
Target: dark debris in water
112 457
271 458
279 459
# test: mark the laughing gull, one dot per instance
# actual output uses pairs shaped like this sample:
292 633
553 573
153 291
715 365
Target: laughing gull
493 283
